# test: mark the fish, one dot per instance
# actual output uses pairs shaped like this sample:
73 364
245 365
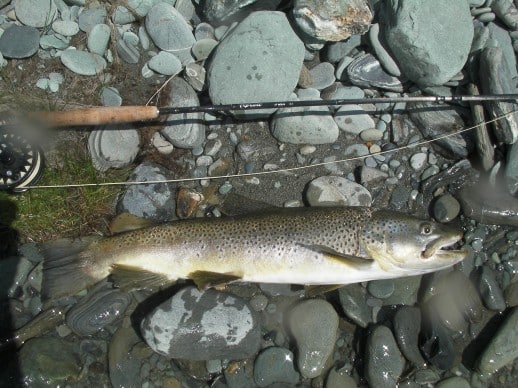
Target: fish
308 246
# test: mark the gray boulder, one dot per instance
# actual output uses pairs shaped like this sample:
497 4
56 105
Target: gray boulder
430 40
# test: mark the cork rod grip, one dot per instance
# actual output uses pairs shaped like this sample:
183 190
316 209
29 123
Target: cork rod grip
99 115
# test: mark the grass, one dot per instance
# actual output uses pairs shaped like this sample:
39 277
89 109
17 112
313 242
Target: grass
45 214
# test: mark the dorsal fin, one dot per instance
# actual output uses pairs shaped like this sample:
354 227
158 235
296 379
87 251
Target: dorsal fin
124 222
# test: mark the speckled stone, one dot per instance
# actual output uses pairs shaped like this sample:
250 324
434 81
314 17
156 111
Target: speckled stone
446 208
353 119
207 325
35 13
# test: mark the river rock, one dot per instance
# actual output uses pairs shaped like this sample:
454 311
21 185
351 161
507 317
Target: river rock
186 130
407 325
366 71
165 63
353 299
48 361
19 42
113 146
203 47
506 11
102 306
91 17
491 293
332 20
353 119
435 121
313 324
275 365
305 125
98 39
503 347
511 169
65 27
155 201
82 62
336 191
446 208
322 76
168 29
386 60
384 363
207 325
218 11
495 79
236 75
35 13
430 41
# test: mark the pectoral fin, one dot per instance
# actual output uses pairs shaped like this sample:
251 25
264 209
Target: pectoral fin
128 278
206 279
343 258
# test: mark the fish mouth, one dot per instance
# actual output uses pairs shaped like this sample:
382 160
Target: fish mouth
442 248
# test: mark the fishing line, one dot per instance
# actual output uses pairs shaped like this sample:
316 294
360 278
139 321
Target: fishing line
269 172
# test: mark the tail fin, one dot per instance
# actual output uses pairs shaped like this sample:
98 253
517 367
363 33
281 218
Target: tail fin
64 265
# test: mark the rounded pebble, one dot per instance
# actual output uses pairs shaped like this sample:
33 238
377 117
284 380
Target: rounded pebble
313 323
381 288
275 365
336 191
384 362
19 42
65 27
446 208
35 13
82 62
98 39
418 161
371 134
165 63
353 119
202 48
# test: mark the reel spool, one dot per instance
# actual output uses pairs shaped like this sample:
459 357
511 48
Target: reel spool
21 162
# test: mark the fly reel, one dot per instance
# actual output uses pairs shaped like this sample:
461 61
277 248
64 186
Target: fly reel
21 161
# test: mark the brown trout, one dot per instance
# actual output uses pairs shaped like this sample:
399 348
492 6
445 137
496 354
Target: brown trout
310 246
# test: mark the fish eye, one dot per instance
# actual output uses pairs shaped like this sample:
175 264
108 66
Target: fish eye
425 228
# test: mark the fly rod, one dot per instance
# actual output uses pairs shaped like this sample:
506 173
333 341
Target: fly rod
127 114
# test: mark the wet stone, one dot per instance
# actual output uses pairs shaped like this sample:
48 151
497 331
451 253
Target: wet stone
407 325
313 324
446 208
381 289
384 363
453 382
49 362
490 291
275 365
353 299
336 379
503 347
208 325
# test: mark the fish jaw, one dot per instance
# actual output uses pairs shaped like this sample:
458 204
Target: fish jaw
408 245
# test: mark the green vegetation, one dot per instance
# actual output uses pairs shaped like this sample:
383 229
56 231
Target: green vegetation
44 214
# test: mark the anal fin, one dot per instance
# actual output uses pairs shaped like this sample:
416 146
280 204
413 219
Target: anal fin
206 279
320 289
128 278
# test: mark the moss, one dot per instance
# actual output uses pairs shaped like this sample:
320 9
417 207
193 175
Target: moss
44 214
